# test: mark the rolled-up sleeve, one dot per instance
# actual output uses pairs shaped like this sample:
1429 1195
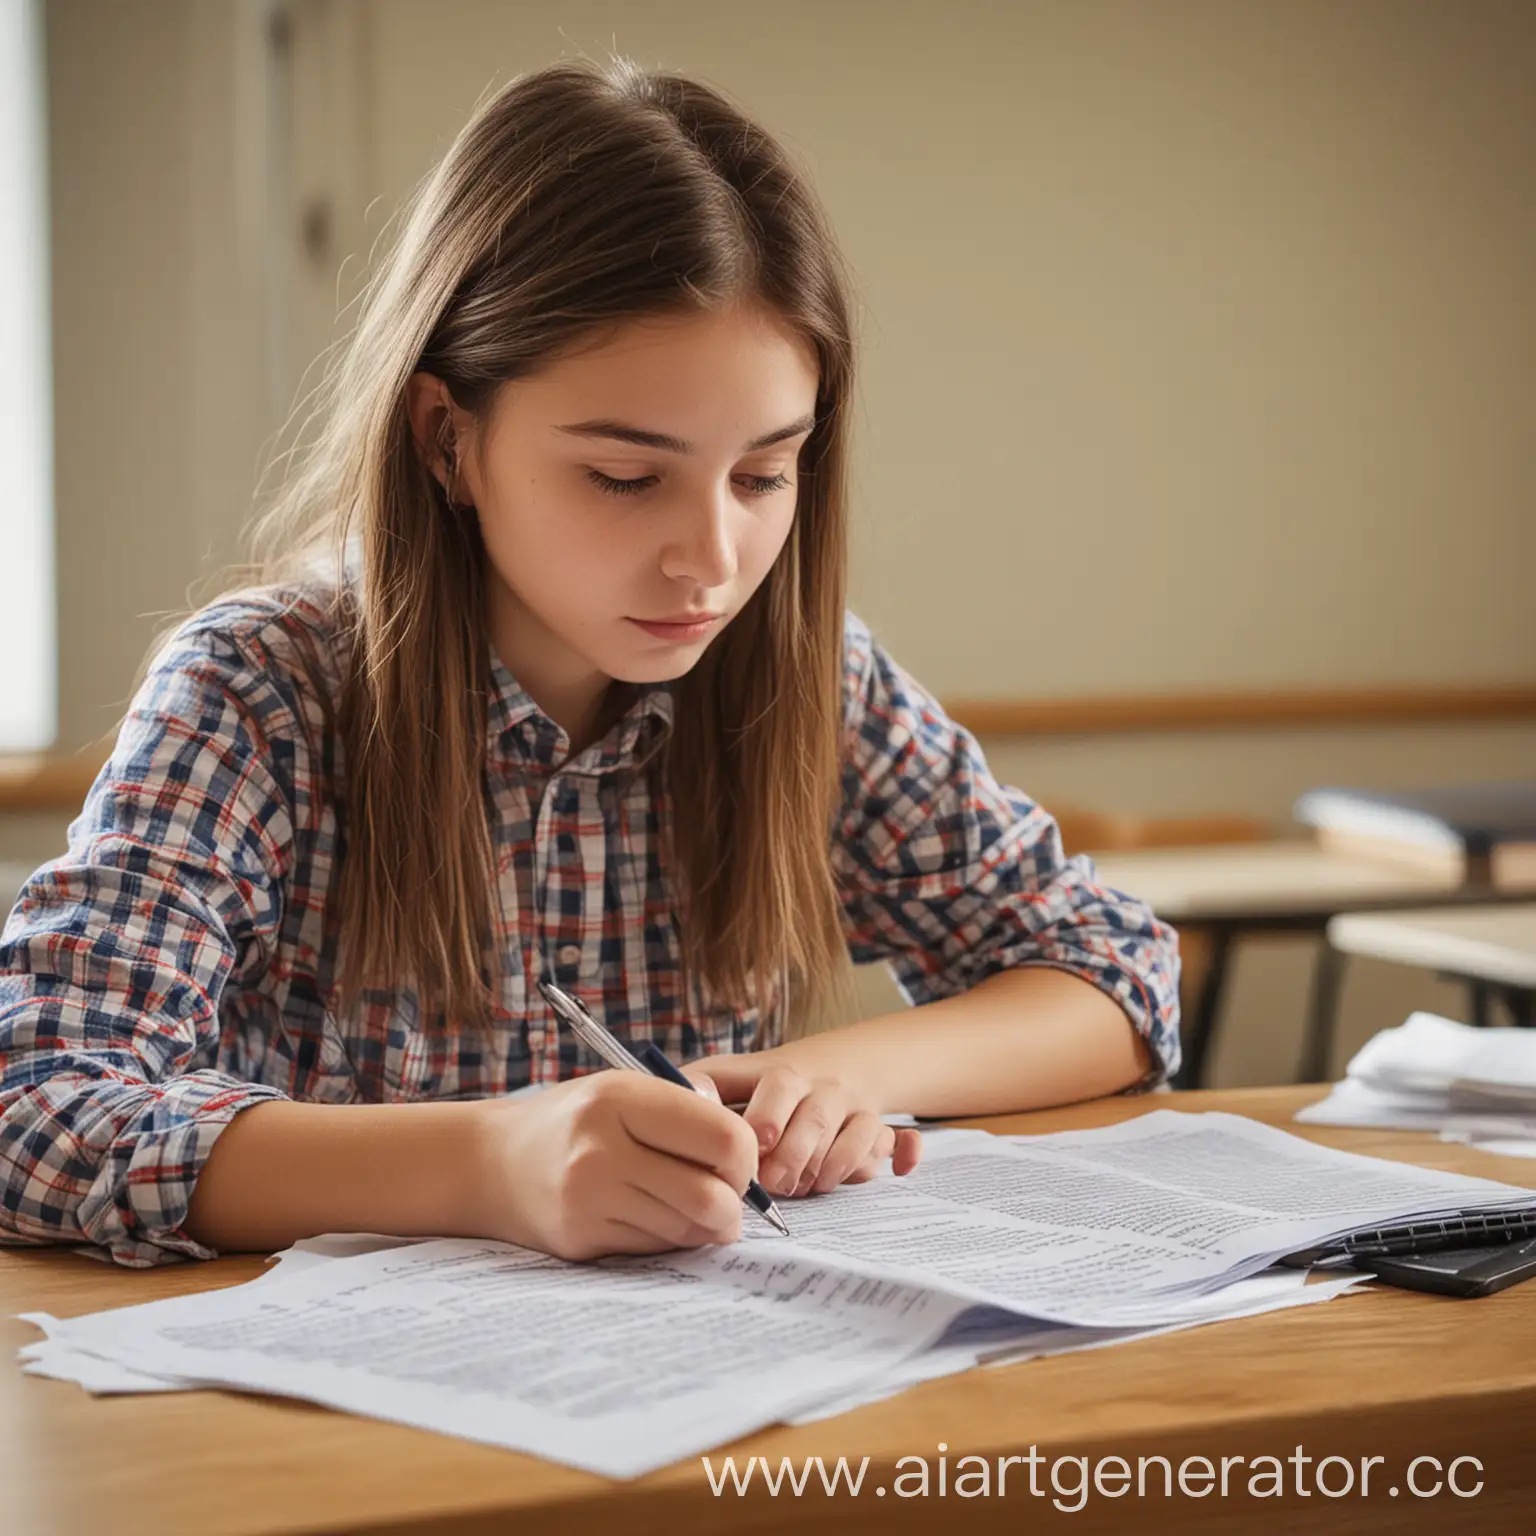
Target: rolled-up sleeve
113 960
949 877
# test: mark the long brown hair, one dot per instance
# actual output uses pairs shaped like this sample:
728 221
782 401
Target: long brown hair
577 198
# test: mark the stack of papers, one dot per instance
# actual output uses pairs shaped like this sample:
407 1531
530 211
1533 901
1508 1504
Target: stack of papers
995 1248
1433 1074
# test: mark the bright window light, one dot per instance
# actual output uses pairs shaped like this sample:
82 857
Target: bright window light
28 686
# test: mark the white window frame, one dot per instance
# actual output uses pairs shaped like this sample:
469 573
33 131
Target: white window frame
28 603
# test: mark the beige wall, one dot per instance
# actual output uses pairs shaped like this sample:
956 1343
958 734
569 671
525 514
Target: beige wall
1216 319
1199 341
156 328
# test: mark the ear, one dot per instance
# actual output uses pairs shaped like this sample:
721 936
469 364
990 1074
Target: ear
436 421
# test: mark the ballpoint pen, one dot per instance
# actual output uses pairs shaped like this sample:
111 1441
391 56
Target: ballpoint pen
645 1058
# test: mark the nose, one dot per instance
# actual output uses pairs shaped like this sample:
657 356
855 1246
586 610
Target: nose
701 547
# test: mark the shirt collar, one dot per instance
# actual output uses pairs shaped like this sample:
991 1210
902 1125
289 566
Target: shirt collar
519 733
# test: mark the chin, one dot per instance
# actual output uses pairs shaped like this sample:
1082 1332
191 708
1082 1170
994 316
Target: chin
656 669
660 665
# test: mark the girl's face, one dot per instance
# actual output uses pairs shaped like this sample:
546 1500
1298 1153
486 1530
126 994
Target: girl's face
633 495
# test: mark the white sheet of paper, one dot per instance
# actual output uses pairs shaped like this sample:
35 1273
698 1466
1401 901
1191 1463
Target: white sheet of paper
992 1342
1113 1227
631 1366
1357 1103
56 1358
1434 1074
1488 1139
1424 1054
1502 1061
1436 1056
1123 1230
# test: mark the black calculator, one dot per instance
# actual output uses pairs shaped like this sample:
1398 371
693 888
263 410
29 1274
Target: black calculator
1457 1271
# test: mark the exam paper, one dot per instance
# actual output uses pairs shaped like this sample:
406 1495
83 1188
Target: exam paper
1114 1227
989 1336
629 1366
56 1358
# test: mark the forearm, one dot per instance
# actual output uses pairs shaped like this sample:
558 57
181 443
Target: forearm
1022 1039
281 1171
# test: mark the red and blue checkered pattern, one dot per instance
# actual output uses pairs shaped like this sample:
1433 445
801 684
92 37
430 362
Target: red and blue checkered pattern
175 966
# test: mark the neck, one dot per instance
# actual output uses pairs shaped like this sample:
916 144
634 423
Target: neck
567 688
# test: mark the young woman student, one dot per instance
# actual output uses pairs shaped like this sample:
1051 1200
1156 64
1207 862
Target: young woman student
549 676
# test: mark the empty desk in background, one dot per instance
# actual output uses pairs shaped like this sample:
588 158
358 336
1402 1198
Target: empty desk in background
1234 890
1492 948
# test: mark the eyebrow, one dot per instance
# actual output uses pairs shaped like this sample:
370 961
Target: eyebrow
641 438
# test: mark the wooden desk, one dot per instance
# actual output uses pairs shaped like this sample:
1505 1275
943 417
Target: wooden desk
1292 886
1386 1373
1492 947
1253 882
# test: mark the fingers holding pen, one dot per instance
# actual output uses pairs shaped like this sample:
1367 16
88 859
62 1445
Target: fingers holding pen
690 1126
681 1200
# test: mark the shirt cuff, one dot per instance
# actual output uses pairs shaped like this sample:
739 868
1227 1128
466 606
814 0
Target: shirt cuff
136 1208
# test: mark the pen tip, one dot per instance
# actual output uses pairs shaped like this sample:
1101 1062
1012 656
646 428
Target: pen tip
778 1222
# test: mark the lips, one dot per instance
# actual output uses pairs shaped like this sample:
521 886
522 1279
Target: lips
680 628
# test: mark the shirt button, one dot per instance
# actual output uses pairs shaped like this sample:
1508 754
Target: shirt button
570 954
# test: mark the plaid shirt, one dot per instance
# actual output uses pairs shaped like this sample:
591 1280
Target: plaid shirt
174 967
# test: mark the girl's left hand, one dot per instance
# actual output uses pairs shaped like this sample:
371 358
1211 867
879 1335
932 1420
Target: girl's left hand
812 1133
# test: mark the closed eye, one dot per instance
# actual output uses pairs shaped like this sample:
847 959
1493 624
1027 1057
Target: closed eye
620 487
766 485
757 485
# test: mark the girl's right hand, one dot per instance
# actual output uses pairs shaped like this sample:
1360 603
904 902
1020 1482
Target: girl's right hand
613 1162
